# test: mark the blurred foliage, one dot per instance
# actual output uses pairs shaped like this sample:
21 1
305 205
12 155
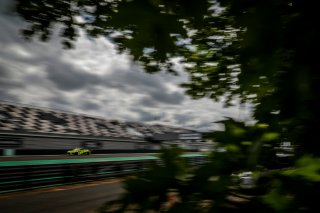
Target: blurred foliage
173 185
296 189
261 52
149 30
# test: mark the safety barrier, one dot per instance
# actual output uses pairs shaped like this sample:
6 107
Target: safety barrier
24 175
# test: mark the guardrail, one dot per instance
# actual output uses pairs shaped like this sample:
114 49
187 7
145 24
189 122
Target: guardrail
25 175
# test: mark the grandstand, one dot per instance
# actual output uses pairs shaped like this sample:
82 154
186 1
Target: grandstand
25 128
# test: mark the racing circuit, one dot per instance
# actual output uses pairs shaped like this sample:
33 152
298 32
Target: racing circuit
33 155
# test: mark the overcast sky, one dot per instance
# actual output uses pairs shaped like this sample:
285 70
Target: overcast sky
95 80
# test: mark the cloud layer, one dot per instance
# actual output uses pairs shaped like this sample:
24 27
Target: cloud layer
94 79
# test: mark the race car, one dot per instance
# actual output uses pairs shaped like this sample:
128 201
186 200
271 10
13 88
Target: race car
79 151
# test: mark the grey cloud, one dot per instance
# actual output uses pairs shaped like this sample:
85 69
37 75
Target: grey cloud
4 95
67 78
147 102
90 106
135 81
204 127
7 84
156 97
4 72
146 116
59 99
132 80
182 118
168 98
34 79
140 79
64 76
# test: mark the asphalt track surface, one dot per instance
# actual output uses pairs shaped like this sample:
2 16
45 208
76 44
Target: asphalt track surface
60 157
80 198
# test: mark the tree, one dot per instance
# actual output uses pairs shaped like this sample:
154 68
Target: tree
262 52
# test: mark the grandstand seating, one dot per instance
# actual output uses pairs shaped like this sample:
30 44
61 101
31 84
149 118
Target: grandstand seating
30 119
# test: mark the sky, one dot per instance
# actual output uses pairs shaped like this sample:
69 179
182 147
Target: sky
94 79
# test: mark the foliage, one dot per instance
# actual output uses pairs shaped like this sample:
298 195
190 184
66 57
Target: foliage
296 189
261 52
148 29
175 186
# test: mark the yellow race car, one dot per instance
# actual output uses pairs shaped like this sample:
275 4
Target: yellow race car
79 151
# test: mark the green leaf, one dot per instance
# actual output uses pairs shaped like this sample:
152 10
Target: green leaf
270 136
232 148
246 143
307 167
277 200
236 131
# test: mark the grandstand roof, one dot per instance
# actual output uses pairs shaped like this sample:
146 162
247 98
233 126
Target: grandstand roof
17 118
